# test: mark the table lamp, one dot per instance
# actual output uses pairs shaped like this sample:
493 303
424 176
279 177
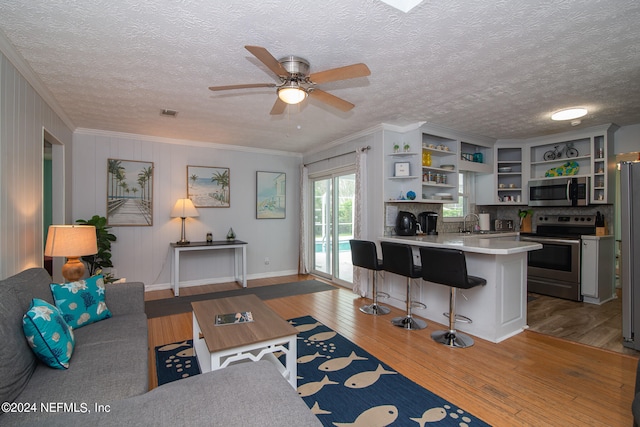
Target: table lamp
72 242
183 209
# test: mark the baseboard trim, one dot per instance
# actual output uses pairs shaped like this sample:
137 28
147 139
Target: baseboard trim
216 280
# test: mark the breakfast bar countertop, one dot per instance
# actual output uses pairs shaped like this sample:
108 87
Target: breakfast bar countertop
498 309
492 243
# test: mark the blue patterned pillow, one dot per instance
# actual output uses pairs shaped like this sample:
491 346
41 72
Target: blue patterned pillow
49 336
81 302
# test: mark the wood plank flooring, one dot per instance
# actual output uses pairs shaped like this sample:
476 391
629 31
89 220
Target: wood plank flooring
530 379
595 325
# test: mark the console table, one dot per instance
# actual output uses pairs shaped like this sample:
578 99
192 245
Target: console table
240 257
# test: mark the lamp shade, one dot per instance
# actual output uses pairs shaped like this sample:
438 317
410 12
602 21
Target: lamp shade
292 93
184 209
71 241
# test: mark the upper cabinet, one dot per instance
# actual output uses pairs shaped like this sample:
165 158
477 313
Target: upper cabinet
586 153
422 165
439 163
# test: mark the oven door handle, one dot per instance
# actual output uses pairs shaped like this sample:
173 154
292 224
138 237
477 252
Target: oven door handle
550 240
569 190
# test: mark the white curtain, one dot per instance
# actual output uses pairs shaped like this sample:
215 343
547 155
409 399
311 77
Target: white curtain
360 219
303 268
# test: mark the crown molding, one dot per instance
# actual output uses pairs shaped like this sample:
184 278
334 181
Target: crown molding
23 67
185 142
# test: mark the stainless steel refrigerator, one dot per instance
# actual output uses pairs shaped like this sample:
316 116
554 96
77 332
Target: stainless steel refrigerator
630 249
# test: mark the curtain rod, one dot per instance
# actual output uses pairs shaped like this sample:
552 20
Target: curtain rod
368 147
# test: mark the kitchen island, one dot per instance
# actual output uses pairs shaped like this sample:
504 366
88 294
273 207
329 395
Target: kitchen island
498 309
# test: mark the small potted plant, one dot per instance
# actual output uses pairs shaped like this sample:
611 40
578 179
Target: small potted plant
406 147
396 148
102 259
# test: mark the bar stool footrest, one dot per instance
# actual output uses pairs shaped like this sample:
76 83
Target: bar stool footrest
418 304
459 318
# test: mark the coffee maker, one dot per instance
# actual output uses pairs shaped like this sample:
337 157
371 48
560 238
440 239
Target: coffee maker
428 222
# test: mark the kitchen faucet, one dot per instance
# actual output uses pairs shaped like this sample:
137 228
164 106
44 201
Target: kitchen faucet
464 222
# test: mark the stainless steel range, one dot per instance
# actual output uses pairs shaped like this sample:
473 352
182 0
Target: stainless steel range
555 269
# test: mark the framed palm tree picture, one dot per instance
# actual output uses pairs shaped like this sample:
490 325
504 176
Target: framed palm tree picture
271 195
208 186
129 193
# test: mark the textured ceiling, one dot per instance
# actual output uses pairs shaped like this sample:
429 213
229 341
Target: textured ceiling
496 68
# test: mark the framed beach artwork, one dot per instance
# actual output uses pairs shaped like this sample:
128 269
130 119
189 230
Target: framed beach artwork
129 193
208 186
271 195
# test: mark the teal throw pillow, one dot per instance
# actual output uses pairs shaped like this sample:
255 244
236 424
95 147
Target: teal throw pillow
81 302
49 336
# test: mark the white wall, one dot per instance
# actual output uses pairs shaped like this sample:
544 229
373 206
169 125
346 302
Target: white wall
23 116
142 253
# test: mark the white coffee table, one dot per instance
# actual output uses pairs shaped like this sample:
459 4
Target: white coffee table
219 346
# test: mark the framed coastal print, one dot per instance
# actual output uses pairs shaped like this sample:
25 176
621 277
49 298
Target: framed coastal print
129 193
271 195
209 186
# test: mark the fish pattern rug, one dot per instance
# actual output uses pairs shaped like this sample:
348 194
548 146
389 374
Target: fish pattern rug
176 361
346 386
342 384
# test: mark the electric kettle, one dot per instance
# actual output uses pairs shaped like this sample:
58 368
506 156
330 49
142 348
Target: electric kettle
406 224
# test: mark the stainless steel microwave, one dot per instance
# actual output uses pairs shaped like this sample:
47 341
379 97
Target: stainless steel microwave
566 191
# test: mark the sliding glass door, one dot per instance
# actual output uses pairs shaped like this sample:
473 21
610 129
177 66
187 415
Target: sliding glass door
333 197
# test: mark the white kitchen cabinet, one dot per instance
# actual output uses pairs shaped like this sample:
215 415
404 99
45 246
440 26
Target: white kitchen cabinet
594 157
508 184
597 270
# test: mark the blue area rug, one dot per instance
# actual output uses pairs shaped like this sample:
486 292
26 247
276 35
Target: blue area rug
346 386
176 361
341 383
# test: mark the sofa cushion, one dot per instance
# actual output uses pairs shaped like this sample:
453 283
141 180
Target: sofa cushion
110 362
29 284
246 394
17 361
49 336
81 302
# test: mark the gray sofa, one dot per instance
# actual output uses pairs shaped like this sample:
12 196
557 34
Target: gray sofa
109 368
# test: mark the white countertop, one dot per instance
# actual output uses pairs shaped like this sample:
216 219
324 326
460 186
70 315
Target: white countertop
494 244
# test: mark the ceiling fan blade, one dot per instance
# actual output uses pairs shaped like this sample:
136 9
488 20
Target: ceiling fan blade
342 73
267 59
278 107
332 100
247 86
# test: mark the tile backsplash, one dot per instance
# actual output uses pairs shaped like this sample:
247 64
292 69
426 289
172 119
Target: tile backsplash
502 212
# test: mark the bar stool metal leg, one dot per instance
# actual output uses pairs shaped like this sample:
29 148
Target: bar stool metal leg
452 338
375 308
408 321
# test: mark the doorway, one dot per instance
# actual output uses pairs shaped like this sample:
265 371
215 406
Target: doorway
53 200
333 199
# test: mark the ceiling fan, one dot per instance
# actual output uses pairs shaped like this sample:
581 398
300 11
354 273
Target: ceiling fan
296 83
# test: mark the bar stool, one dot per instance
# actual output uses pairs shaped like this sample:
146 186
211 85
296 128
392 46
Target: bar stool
449 267
365 255
397 258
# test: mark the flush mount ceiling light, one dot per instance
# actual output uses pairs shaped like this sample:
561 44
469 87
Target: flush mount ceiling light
403 5
292 93
569 114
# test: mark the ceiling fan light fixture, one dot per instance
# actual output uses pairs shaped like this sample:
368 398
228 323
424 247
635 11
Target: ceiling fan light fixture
291 93
569 113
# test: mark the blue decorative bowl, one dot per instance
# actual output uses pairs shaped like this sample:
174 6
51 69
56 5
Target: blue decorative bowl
411 195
